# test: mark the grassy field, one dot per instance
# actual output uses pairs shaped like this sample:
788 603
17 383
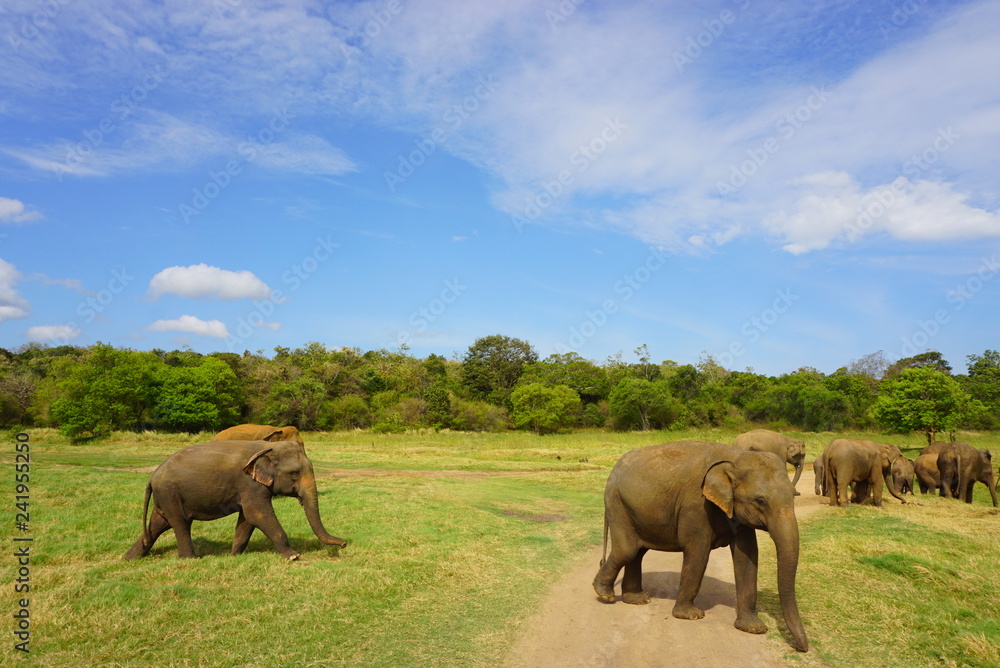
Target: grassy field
441 568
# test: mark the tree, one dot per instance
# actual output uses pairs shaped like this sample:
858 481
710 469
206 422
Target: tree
872 365
110 389
931 358
635 402
493 365
544 409
200 398
983 382
924 399
571 370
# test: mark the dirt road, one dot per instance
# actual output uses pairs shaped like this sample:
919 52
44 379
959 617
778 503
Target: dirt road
573 628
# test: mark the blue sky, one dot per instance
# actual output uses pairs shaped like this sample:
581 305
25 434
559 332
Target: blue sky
774 184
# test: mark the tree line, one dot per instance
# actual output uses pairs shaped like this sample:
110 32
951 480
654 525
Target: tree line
498 383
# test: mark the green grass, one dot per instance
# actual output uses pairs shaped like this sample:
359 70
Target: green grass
448 566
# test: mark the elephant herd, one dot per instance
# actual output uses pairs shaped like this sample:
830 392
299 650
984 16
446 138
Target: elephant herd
949 468
689 497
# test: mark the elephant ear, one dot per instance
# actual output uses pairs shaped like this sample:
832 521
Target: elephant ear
276 435
260 468
718 486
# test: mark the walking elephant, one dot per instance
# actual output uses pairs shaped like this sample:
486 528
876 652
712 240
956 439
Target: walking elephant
961 467
259 432
692 497
902 475
791 450
819 471
863 465
925 468
212 480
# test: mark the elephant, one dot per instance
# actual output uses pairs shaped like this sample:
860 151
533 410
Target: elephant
215 479
902 475
693 497
961 467
259 432
791 450
864 465
925 468
819 471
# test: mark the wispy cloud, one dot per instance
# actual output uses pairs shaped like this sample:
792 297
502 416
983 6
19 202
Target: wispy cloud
12 305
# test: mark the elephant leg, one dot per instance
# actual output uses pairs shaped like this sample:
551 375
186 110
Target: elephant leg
173 511
840 492
242 536
692 573
624 548
262 517
632 581
157 525
744 549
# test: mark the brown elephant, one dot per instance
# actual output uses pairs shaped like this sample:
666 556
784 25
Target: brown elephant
791 450
215 479
819 471
692 497
863 465
259 432
902 475
925 468
961 467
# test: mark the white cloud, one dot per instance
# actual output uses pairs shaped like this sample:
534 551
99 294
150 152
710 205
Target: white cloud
51 333
304 154
201 281
836 208
12 305
191 325
14 211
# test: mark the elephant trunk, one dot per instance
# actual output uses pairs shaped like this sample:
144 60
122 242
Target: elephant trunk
786 544
798 471
309 498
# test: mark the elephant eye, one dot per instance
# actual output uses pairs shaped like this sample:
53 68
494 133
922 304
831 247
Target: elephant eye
760 501
296 473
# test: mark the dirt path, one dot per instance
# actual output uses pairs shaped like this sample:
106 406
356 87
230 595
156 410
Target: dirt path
574 629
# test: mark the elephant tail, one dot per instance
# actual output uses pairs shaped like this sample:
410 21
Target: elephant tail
145 514
604 548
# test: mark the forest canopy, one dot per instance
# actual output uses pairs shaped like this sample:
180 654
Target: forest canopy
498 383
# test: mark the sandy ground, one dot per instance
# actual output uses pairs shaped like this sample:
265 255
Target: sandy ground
574 628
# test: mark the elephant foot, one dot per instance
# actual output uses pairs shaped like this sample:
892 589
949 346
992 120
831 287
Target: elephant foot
798 493
636 598
687 611
604 592
293 556
750 623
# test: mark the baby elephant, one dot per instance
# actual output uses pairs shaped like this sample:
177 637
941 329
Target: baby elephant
692 497
212 480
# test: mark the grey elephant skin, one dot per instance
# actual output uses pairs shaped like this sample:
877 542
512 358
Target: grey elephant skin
819 471
864 466
925 468
692 497
791 450
961 466
216 479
